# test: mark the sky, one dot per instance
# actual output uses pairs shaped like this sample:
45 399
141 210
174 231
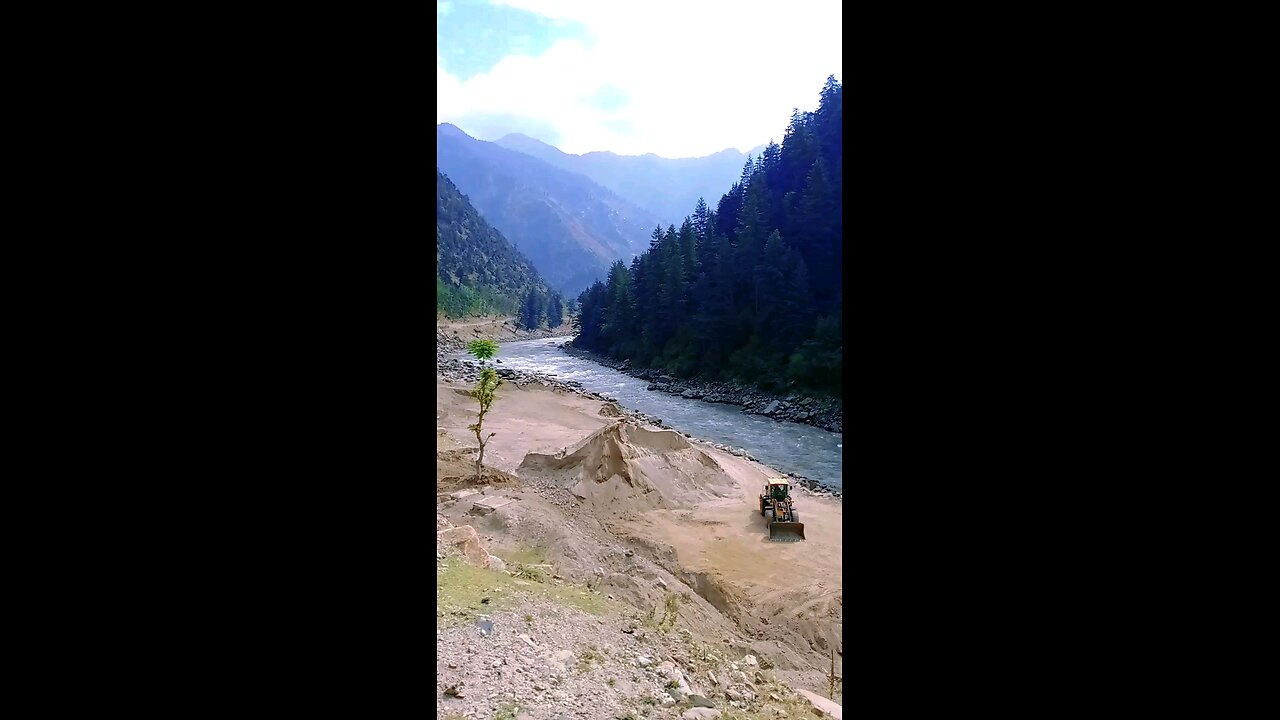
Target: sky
677 79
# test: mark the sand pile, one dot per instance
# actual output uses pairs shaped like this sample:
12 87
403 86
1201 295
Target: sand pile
622 469
456 468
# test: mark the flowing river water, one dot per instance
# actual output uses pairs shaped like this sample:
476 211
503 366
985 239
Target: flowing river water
802 449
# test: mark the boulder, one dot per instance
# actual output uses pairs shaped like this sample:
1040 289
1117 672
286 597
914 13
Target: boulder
463 540
680 680
821 705
557 662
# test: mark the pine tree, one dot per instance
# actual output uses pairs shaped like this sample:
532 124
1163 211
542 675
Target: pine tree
590 319
689 251
752 233
817 214
748 169
770 280
701 219
795 302
671 288
618 331
646 304
531 310
829 129
555 312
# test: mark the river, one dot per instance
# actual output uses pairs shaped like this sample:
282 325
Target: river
802 449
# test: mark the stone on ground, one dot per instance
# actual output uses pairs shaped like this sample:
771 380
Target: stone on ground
464 540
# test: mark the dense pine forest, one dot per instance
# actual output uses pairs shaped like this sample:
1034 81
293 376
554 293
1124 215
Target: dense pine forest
749 291
479 271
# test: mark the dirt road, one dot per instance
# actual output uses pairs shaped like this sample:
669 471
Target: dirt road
502 329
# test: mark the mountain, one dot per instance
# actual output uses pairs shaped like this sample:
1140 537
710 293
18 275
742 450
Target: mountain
750 291
571 228
479 272
666 187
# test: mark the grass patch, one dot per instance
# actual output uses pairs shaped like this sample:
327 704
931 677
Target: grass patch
588 656
670 609
523 556
525 572
649 619
460 588
592 603
521 560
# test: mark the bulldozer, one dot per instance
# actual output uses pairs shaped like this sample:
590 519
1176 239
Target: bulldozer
777 506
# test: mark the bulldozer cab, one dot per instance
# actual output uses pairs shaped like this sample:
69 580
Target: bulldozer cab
777 489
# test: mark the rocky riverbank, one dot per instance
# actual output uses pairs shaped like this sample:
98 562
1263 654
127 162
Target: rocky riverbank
825 413
468 371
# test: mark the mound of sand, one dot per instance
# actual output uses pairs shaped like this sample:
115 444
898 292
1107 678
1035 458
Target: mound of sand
623 469
456 468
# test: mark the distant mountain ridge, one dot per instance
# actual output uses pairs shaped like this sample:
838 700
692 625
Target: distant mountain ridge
571 228
667 187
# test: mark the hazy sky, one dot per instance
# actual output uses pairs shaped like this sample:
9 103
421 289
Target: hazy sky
679 79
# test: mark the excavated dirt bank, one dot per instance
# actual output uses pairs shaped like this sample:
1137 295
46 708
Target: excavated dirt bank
639 513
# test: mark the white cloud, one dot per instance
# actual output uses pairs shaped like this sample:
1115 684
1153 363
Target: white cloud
701 76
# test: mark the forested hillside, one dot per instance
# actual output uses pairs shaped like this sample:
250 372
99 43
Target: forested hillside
749 291
479 272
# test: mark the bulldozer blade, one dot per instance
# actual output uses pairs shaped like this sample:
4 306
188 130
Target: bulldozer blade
786 532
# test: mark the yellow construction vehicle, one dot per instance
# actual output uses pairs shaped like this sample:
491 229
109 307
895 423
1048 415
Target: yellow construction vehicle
784 523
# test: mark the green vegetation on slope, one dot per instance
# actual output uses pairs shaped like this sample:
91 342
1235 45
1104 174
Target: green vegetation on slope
461 590
479 272
750 291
